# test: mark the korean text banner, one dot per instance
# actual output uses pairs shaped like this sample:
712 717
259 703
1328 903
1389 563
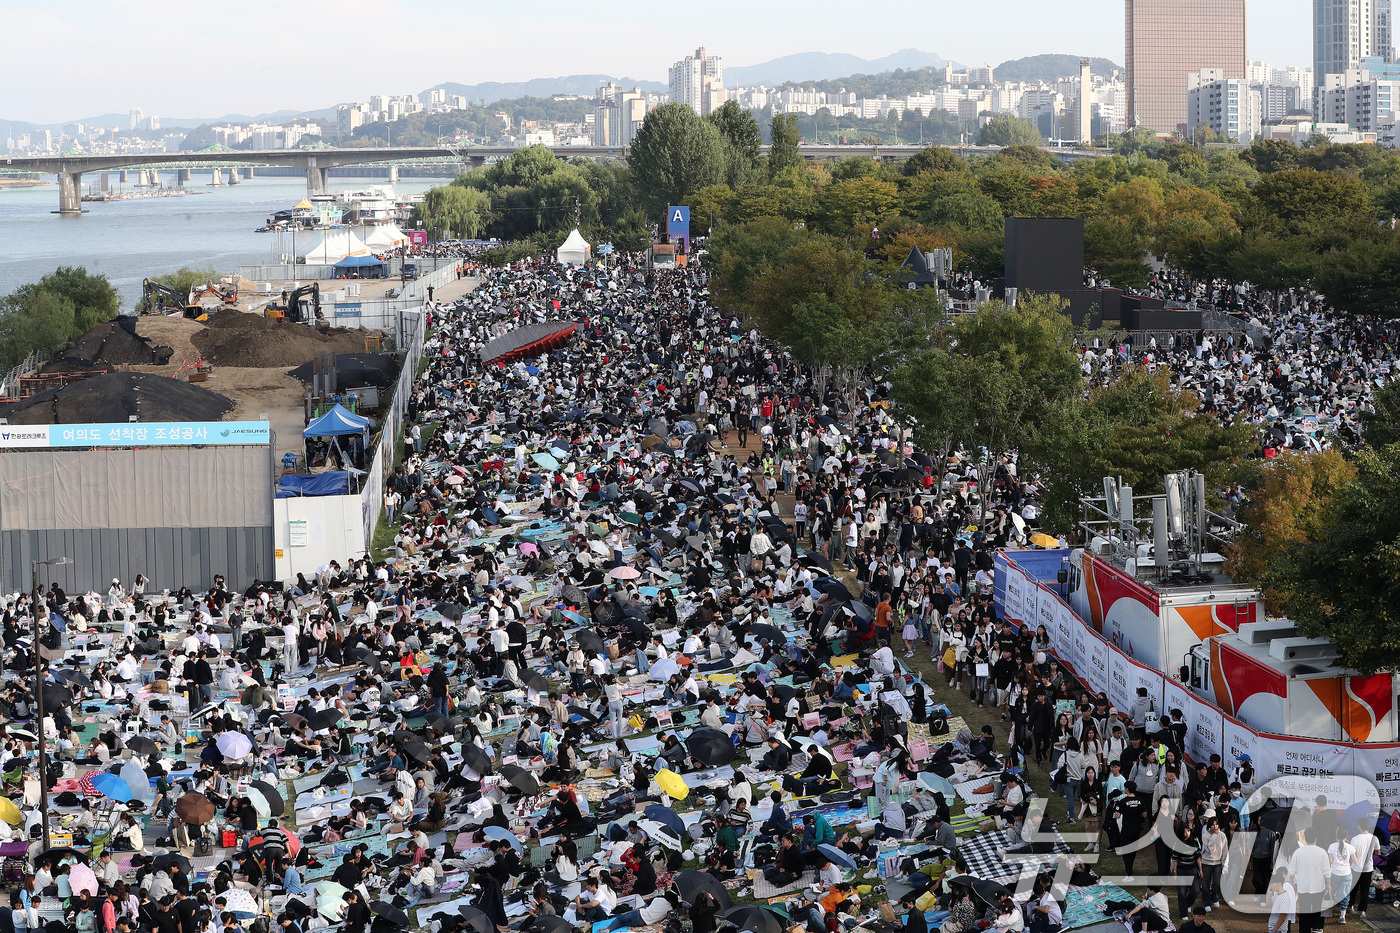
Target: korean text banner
135 434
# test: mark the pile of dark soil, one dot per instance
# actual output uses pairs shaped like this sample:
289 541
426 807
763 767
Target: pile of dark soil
353 370
108 346
115 397
236 338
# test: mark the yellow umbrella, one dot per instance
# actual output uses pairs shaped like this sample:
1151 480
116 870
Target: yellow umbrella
1044 540
672 783
9 812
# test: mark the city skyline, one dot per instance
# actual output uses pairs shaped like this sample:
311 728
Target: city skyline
271 64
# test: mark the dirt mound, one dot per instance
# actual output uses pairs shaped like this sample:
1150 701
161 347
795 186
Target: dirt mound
115 397
239 339
353 370
106 346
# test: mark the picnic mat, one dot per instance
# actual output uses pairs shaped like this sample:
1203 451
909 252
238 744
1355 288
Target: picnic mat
985 859
1084 906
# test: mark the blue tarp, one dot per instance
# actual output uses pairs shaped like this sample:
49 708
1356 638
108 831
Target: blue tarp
1043 566
333 483
358 262
337 422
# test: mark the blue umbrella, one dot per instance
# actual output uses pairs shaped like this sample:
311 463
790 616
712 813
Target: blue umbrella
532 370
666 817
111 785
545 460
500 832
837 857
573 616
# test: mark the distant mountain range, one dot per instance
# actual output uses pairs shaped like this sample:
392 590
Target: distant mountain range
803 66
1049 67
820 66
584 85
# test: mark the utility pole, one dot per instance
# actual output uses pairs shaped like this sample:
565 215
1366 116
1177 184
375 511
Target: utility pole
39 698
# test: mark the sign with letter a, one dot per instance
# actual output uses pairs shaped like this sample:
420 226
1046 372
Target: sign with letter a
678 227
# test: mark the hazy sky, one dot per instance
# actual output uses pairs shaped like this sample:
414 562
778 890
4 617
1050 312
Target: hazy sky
66 59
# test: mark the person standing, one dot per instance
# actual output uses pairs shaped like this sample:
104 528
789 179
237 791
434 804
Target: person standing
1215 847
1343 857
1363 864
1309 869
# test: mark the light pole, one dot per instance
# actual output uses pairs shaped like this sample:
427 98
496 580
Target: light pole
39 696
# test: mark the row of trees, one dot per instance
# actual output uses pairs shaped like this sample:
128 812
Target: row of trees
47 314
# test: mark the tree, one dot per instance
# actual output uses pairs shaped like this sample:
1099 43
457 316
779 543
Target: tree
181 280
991 376
630 232
1288 506
34 318
932 159
1363 278
1303 199
95 300
1271 155
674 155
454 210
1380 424
1006 130
743 142
1138 427
784 153
857 202
1343 581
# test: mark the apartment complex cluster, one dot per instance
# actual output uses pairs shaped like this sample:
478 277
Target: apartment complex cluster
141 135
1187 68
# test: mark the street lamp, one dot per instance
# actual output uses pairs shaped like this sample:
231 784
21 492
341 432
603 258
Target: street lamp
39 695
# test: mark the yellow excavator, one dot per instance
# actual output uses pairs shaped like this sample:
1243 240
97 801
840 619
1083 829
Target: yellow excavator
300 306
162 299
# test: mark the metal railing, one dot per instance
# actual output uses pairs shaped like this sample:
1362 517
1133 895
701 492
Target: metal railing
11 385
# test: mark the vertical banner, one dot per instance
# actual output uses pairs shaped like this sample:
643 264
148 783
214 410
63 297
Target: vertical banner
1030 603
1120 691
1014 602
678 226
1096 671
1380 764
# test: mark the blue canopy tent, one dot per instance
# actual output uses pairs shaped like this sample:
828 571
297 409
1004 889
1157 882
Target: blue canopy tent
332 483
337 422
360 267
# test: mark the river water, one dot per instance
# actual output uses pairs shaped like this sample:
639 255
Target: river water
131 240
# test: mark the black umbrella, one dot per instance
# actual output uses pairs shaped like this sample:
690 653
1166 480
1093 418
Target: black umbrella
636 625
785 692
140 745
551 925
166 859
815 559
389 912
753 919
450 611
275 803
572 595
520 779
1276 819
991 892
859 608
324 718
366 655
295 720
691 883
712 746
439 723
831 587
55 698
589 641
760 631
909 475
477 921
477 758
417 750
536 681
73 677
62 852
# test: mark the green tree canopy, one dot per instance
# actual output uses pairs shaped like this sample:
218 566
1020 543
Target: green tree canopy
743 142
454 211
783 152
674 155
1007 130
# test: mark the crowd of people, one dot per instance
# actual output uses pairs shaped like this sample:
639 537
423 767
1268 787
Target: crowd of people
657 615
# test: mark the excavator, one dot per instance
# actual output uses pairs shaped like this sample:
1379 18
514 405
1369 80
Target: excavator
301 306
162 299
228 294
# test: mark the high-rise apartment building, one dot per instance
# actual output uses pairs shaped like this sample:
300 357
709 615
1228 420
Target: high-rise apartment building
134 118
1347 31
689 84
1167 40
1228 106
